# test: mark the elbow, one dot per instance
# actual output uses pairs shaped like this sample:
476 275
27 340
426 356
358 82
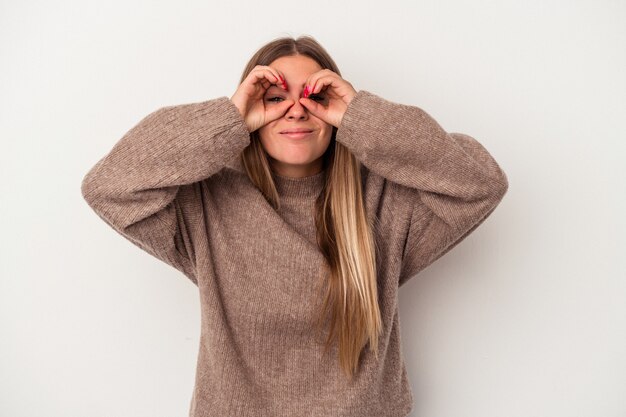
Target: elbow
490 181
501 184
496 180
95 183
87 188
91 187
495 189
490 189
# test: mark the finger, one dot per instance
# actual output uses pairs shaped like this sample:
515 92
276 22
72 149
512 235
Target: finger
259 78
279 79
315 108
283 82
265 69
278 111
318 85
314 79
322 83
265 76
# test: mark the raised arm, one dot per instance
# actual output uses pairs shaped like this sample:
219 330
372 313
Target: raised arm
457 182
141 186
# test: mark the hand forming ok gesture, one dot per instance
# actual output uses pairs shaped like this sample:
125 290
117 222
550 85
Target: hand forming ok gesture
337 94
249 97
333 95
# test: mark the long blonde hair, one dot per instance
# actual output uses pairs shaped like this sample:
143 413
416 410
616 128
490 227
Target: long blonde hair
344 236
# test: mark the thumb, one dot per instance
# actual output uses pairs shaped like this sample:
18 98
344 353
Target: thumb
314 107
278 111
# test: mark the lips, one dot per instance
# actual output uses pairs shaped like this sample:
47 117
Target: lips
298 130
297 133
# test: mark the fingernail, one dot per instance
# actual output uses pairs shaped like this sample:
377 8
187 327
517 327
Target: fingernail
306 91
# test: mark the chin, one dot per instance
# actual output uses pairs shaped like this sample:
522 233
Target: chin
294 161
290 152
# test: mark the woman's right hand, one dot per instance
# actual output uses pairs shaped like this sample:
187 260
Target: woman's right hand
249 97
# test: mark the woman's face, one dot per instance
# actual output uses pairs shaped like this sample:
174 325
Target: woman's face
294 155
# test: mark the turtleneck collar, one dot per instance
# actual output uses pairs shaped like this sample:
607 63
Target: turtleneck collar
303 187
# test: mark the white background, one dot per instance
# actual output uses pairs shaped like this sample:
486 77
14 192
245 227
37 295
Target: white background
526 317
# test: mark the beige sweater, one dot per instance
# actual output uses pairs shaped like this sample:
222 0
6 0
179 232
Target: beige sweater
173 186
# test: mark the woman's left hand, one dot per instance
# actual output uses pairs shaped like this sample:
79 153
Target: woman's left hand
333 95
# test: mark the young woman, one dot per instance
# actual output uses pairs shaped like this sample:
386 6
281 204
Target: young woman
298 206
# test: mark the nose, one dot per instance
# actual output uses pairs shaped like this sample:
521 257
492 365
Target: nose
297 111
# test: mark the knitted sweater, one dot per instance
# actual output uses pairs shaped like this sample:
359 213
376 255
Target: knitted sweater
173 185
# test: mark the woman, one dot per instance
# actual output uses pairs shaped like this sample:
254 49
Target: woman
299 201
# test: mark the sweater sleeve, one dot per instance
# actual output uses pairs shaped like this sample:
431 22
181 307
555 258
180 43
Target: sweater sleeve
456 182
136 188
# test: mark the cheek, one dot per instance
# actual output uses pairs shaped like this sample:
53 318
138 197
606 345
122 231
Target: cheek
328 132
269 129
264 134
325 128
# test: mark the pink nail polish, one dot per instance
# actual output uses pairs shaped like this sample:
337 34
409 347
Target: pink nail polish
306 91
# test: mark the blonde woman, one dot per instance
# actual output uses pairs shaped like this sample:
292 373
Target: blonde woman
298 206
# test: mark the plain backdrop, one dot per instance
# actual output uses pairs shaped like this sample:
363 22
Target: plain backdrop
526 317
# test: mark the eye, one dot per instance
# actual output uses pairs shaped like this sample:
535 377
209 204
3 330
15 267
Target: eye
317 97
274 99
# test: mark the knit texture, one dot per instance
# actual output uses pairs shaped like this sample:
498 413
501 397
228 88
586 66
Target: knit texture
173 185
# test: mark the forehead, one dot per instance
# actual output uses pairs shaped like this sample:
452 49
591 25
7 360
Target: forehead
296 67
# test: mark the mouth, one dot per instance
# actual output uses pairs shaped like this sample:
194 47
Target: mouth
296 133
